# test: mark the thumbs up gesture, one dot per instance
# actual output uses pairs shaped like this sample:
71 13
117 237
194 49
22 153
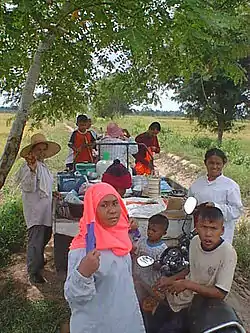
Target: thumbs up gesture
89 264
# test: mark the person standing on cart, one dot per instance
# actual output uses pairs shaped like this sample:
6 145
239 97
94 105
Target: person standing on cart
82 141
36 184
144 157
118 150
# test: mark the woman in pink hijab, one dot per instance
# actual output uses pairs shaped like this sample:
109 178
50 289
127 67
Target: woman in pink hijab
99 286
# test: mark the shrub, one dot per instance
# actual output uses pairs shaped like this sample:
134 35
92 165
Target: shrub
12 228
242 246
202 142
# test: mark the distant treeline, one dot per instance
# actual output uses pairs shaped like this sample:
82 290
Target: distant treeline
4 109
153 113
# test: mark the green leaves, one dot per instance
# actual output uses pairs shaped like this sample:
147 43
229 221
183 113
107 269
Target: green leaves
215 102
155 40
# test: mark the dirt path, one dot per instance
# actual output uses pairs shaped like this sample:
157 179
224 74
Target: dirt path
184 173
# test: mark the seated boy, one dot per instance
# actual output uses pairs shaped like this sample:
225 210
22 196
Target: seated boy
153 246
82 141
212 266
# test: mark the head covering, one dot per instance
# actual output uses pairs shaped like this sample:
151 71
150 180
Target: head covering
114 131
53 147
118 176
114 238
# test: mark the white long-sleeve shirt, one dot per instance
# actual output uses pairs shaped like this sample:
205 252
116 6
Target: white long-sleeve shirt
36 194
105 302
225 194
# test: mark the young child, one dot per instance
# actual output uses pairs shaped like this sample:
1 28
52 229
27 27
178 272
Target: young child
82 141
212 266
153 246
99 286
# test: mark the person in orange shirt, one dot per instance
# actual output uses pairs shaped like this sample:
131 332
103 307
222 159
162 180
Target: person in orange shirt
143 159
82 141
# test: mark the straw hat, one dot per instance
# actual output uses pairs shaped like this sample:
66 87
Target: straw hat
53 147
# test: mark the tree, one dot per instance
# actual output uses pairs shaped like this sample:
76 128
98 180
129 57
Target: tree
216 102
112 97
51 51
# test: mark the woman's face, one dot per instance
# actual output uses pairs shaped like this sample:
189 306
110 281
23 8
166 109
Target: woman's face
108 211
214 166
39 151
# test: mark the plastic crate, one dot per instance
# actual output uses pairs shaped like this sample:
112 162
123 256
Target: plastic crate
68 181
84 168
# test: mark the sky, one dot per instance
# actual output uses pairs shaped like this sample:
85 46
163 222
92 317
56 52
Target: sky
166 103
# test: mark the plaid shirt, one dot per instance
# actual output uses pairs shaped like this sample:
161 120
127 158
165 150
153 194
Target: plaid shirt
119 151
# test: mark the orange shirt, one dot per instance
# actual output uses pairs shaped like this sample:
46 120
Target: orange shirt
77 141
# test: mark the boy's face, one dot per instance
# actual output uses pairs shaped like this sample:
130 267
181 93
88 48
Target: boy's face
155 232
82 126
210 233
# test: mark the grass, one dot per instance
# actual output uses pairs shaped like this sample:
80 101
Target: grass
20 315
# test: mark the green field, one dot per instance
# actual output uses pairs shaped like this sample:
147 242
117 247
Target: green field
179 136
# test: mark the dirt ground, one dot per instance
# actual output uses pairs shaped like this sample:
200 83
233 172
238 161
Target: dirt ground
169 165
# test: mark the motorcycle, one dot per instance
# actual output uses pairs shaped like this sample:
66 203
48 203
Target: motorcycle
217 316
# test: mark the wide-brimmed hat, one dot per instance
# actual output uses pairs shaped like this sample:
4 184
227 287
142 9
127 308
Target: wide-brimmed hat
114 131
53 147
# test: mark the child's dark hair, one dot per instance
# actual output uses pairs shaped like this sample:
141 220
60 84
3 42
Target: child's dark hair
155 126
210 213
82 117
159 219
216 152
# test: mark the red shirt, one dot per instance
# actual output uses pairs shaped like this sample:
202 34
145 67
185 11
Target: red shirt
77 141
149 141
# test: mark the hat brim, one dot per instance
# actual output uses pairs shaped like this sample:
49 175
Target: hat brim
52 150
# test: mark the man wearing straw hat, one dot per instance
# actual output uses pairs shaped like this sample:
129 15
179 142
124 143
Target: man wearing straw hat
36 184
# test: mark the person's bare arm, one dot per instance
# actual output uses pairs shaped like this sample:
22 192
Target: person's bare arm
165 281
205 291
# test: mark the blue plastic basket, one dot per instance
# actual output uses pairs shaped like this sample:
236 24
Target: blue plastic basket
67 181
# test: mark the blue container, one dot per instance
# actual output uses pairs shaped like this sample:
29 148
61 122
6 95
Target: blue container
67 181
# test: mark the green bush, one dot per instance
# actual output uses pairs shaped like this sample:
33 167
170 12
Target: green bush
242 246
12 228
202 142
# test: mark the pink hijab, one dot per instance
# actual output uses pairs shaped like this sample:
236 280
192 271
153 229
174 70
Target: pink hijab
115 238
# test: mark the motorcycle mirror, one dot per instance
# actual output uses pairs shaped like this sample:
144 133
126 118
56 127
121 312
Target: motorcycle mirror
189 205
145 261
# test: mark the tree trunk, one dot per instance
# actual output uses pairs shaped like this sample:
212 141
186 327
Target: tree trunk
220 132
16 133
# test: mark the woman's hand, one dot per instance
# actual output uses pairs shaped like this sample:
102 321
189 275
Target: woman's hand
31 161
133 224
89 264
